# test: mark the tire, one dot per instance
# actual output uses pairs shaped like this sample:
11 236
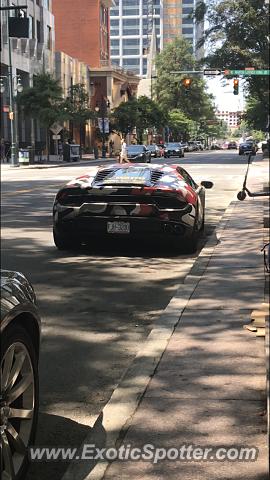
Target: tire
203 223
15 341
62 242
191 243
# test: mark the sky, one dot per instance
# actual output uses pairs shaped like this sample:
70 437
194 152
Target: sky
224 98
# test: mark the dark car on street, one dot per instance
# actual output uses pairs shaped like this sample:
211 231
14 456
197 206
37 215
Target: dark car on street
138 153
20 340
247 147
141 201
173 150
154 150
232 146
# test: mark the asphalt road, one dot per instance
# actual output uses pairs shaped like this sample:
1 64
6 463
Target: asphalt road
97 306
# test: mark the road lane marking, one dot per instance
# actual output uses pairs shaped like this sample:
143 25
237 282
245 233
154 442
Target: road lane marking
30 190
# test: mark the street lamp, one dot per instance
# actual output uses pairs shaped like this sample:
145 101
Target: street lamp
14 85
103 111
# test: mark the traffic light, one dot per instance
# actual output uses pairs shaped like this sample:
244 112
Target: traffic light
186 82
235 86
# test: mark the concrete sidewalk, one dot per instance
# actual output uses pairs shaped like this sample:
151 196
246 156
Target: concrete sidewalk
55 162
208 389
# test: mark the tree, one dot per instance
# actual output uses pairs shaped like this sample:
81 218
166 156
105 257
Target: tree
256 114
180 125
75 107
169 90
124 117
43 101
237 38
149 116
141 113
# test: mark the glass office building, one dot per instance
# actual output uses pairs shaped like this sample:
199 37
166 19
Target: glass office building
131 27
130 32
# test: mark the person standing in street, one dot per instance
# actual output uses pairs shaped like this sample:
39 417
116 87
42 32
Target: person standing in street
123 154
111 145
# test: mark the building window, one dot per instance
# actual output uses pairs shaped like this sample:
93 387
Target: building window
131 61
114 32
38 31
128 42
187 31
49 37
130 3
187 10
130 51
131 31
131 11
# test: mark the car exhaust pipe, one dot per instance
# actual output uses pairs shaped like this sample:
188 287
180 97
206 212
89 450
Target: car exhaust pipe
173 229
179 229
168 228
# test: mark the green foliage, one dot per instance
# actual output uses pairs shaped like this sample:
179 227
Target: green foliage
43 100
169 91
256 113
139 112
238 37
180 125
76 106
123 118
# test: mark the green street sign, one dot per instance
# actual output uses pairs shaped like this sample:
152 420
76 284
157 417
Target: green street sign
246 72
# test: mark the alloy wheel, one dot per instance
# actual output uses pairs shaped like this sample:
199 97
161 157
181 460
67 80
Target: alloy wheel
17 405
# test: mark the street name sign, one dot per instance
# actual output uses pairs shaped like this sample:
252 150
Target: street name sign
212 72
247 72
56 137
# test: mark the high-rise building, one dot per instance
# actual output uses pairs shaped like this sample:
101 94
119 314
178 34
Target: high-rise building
132 23
82 33
130 31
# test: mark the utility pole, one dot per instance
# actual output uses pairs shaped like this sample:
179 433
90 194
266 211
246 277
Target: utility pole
12 106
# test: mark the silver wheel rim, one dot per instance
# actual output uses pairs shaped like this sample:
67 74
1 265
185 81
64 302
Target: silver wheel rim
17 404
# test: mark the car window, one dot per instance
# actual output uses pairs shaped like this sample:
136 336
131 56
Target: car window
187 177
136 148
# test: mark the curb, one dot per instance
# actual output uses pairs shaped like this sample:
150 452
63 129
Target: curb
125 399
85 162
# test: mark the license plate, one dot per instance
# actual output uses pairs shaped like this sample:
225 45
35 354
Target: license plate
118 227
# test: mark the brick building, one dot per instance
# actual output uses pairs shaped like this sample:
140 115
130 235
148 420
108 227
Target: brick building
82 29
82 32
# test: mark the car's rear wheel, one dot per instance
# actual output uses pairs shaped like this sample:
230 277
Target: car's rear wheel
64 242
191 243
19 400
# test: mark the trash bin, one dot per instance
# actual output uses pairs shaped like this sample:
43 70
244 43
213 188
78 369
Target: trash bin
24 156
71 152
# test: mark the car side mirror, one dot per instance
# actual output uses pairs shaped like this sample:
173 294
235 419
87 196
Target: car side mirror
207 184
